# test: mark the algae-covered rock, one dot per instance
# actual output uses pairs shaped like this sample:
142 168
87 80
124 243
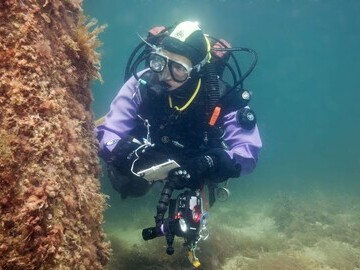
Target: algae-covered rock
51 207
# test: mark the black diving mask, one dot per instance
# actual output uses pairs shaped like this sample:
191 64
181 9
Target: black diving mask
179 72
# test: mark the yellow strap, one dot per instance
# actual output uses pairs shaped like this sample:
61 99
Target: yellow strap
100 121
187 104
170 101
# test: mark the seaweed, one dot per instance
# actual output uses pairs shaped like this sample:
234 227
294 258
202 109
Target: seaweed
51 206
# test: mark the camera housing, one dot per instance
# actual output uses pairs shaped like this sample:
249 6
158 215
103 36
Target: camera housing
186 218
186 212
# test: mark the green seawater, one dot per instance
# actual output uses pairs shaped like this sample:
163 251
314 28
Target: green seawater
300 208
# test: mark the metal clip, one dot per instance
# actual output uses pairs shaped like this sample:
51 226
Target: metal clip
206 139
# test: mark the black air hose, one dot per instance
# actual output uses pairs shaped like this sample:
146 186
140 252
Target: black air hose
212 87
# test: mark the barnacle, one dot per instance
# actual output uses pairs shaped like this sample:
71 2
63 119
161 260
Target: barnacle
5 150
34 203
43 48
46 18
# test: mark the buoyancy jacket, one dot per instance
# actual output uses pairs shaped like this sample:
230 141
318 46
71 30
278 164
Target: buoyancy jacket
179 135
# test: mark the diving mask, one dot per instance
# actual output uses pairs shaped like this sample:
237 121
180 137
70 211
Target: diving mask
179 72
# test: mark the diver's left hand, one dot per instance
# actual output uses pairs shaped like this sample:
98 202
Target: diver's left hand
215 163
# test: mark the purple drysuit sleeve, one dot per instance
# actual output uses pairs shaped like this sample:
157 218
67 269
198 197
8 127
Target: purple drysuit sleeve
243 145
121 119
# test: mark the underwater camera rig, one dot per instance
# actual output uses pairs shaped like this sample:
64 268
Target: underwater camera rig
186 219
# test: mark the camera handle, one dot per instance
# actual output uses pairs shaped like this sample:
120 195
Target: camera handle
162 226
160 222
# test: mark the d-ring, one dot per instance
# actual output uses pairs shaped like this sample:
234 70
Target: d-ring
222 194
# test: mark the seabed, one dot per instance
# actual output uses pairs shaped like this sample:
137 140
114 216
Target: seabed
317 231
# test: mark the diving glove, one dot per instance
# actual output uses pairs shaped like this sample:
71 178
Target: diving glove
224 166
216 165
191 175
122 154
180 178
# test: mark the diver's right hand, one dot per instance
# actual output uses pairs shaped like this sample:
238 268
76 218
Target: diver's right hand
122 151
126 151
180 178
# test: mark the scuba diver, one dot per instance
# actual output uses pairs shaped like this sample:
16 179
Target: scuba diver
179 121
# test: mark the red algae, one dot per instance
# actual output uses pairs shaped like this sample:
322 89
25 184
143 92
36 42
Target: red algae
51 206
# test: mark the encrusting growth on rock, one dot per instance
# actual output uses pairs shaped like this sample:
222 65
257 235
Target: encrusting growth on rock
51 206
